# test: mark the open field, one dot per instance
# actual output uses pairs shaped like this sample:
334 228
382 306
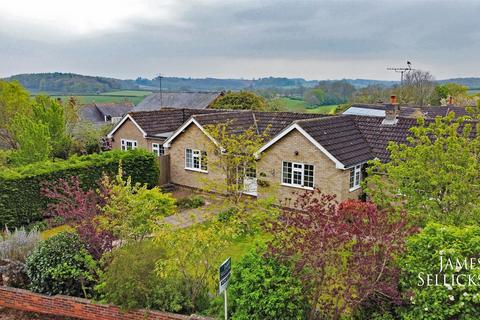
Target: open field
295 105
135 96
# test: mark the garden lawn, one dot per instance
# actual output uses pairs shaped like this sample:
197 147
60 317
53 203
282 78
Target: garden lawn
297 105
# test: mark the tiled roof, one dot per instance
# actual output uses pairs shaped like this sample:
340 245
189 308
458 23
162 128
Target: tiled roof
269 122
115 109
178 100
165 120
340 137
378 136
96 112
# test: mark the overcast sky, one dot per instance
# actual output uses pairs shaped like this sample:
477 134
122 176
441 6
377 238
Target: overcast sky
234 38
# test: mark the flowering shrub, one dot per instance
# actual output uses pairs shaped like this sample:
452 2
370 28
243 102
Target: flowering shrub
341 250
80 209
441 273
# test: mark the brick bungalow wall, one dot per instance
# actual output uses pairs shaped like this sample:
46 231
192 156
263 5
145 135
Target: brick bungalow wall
194 138
294 147
76 307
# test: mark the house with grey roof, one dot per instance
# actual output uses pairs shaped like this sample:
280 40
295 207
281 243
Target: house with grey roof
105 113
427 112
301 151
178 100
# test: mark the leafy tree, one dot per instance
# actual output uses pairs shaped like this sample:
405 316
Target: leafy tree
343 254
314 97
80 210
371 94
33 139
192 258
14 101
263 288
52 114
236 158
435 175
243 100
430 252
336 92
62 265
130 280
443 91
131 210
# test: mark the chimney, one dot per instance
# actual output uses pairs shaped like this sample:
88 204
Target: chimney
450 101
393 99
391 112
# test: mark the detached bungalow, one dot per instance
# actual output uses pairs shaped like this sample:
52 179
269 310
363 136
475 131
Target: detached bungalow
301 152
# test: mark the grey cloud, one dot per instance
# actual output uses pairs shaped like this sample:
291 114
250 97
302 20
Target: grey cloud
434 33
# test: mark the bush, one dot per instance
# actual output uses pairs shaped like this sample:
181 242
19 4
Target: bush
18 245
263 288
191 202
20 199
62 265
227 214
130 280
424 252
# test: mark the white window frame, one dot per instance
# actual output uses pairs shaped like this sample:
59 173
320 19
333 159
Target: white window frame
124 144
298 170
196 154
158 149
356 173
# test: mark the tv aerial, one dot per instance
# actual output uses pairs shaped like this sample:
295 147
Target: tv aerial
402 70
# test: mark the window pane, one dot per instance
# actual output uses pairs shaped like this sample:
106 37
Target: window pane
161 150
308 176
297 177
188 158
204 160
287 172
352 178
196 161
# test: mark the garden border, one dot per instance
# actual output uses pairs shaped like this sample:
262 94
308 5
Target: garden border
59 305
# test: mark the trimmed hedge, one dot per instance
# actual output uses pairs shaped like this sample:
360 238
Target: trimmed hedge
20 199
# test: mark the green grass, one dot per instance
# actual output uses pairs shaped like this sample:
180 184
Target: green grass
127 93
294 105
134 96
103 98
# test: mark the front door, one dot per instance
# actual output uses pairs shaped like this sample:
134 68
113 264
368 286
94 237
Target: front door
250 181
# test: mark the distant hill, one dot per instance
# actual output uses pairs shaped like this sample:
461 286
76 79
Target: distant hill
70 83
58 83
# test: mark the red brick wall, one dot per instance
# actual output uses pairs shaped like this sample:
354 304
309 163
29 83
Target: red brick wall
76 307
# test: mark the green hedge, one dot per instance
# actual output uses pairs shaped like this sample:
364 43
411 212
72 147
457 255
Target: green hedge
20 199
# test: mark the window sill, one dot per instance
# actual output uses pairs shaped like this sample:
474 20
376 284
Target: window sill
296 186
354 188
196 170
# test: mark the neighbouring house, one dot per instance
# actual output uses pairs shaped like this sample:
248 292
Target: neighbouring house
178 100
427 112
149 129
105 113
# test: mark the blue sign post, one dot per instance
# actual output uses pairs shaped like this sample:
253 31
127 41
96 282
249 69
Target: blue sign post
225 269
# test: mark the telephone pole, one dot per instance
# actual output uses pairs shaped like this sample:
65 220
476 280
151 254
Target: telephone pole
160 88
